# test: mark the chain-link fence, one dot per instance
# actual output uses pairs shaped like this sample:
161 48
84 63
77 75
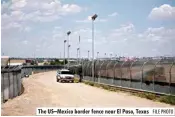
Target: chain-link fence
151 75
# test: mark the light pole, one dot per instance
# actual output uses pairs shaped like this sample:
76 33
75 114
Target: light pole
77 55
64 52
93 19
68 33
97 54
110 56
79 51
88 54
105 55
68 59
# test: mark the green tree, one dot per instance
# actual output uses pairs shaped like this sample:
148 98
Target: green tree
46 64
52 63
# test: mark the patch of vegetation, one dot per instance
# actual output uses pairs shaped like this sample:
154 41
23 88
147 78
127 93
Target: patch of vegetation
58 62
46 63
150 96
168 99
146 95
76 80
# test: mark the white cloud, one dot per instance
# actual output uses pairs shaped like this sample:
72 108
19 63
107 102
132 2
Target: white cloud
124 31
129 41
40 10
25 42
73 8
17 4
113 14
27 29
164 12
12 25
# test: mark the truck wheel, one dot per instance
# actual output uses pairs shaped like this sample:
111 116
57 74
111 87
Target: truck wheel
57 80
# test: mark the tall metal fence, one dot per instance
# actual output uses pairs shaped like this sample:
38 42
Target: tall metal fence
11 78
152 75
10 83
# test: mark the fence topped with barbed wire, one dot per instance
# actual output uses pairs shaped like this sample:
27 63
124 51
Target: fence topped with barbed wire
160 72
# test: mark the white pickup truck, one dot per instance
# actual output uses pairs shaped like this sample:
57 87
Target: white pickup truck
64 75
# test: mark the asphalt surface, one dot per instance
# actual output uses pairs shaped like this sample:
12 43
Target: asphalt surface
42 90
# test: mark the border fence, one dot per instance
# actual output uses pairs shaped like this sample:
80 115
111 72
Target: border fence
11 78
156 76
10 82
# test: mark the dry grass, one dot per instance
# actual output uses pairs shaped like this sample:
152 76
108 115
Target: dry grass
161 98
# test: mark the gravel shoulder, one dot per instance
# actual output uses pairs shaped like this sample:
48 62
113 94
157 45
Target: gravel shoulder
42 90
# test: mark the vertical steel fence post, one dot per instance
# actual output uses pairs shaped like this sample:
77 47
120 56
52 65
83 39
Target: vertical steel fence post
85 69
114 71
3 88
121 73
13 85
96 69
142 73
130 69
88 71
100 71
17 84
170 77
82 68
9 85
107 68
155 75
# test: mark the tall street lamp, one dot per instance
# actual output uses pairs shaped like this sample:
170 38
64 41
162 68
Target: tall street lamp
88 54
64 52
110 55
68 33
97 54
77 55
68 49
93 19
79 51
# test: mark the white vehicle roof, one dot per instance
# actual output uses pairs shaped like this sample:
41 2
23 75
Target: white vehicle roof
64 70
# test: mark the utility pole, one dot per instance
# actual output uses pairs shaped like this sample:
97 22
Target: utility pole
88 54
64 52
79 51
93 19
68 33
97 54
77 55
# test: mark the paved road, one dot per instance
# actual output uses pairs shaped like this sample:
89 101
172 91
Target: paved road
42 90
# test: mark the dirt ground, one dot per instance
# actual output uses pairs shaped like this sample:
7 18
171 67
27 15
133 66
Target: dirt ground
42 90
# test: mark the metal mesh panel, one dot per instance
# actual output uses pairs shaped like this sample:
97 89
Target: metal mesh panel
126 70
117 70
172 72
162 72
136 70
148 71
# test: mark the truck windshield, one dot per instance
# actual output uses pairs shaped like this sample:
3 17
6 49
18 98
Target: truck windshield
66 72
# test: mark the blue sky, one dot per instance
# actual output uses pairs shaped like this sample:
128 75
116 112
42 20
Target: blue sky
123 27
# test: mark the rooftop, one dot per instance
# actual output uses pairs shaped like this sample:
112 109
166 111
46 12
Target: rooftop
64 70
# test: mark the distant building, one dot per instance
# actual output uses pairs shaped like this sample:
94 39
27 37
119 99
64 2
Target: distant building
14 62
4 60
